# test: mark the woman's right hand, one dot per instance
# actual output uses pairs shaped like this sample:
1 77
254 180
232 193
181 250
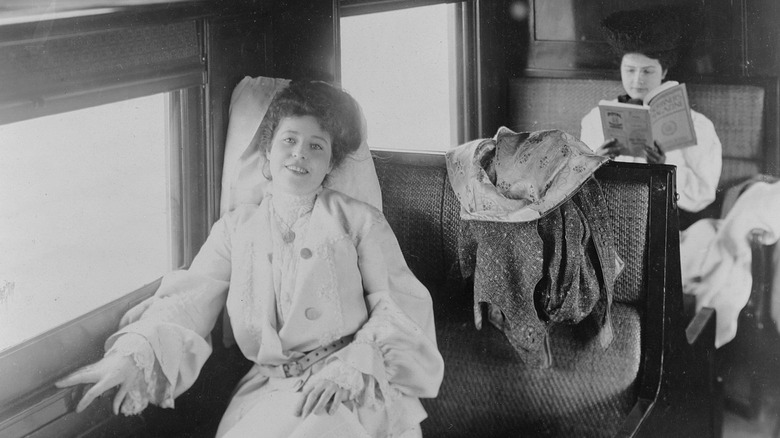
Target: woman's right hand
113 370
321 397
610 148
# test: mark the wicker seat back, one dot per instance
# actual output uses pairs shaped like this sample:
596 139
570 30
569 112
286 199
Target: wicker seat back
736 110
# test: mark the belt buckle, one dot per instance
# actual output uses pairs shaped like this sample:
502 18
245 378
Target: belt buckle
292 369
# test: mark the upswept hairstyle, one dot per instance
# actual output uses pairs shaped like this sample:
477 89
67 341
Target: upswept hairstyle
336 111
656 32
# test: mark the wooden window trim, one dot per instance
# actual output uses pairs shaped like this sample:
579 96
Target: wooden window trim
359 7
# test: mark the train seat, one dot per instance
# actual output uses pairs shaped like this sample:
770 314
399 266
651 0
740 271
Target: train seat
655 379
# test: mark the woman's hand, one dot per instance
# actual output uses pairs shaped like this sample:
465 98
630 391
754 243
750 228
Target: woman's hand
323 396
113 370
654 154
611 148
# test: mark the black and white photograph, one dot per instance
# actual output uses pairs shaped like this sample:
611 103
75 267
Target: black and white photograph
389 218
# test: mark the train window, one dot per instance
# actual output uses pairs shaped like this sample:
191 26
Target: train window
86 214
402 67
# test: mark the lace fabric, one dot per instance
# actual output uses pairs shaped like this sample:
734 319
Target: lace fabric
343 375
150 385
290 219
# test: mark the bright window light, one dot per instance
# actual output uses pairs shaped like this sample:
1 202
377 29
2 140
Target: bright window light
85 214
400 66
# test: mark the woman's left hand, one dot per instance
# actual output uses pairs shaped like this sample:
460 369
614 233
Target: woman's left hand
321 397
654 154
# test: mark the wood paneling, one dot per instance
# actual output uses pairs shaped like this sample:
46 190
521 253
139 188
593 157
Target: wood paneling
763 37
304 40
565 35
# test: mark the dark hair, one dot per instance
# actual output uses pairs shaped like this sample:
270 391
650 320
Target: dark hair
656 32
336 111
667 59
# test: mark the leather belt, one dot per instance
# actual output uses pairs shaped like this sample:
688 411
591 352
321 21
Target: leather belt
297 367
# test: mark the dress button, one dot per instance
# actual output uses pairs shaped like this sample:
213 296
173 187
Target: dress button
306 253
312 313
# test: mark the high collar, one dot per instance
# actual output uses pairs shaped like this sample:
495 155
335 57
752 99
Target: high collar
289 206
625 98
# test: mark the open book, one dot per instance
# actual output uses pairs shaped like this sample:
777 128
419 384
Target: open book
665 117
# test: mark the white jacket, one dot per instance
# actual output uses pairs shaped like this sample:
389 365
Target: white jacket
350 278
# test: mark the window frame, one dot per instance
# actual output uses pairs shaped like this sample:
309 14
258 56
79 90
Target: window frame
467 81
349 8
29 403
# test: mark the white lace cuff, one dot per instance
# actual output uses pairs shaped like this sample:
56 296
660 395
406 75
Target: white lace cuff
344 375
150 385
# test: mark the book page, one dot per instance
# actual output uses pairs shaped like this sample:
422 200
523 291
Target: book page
671 115
659 90
629 124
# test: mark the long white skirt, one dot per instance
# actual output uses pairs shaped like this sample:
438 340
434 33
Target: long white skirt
264 407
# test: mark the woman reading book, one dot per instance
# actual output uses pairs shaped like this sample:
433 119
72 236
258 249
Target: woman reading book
648 42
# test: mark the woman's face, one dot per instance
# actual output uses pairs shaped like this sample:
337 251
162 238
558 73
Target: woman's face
300 155
640 74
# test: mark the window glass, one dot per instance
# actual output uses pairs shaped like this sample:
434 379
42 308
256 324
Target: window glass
401 67
85 214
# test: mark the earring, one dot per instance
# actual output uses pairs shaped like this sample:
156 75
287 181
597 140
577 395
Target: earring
266 170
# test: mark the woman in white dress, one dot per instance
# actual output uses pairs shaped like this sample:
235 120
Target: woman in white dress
319 296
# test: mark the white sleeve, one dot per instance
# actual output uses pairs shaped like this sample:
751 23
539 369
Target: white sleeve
177 321
590 130
698 167
397 345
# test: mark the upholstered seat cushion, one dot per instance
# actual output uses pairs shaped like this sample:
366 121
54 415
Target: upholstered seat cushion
488 391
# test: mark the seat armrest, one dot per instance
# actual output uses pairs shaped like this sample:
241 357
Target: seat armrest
632 425
757 310
696 330
681 387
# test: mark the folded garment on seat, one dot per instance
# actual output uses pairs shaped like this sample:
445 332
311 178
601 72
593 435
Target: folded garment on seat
544 256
